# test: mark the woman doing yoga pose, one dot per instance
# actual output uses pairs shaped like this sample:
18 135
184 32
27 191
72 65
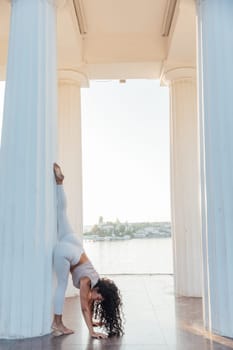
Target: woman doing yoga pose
100 298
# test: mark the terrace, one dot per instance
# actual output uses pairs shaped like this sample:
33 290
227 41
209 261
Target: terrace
155 320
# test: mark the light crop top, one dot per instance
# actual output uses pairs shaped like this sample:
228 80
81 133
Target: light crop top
84 270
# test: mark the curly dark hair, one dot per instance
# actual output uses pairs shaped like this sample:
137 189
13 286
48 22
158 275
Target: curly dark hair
109 310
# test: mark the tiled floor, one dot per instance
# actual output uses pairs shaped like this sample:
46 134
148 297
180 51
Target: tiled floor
155 320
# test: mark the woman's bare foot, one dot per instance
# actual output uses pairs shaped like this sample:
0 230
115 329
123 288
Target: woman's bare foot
60 329
59 177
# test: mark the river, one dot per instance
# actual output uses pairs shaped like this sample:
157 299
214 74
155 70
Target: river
133 256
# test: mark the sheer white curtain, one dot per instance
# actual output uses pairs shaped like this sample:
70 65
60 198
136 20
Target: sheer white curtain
27 187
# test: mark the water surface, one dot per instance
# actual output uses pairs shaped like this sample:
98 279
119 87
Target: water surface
131 256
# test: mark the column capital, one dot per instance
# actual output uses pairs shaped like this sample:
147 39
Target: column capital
168 76
72 77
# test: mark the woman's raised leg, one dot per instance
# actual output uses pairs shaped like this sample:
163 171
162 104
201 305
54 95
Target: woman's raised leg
63 226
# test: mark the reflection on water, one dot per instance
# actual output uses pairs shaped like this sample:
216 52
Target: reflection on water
152 255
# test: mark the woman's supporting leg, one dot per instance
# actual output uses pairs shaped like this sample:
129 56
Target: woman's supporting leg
62 268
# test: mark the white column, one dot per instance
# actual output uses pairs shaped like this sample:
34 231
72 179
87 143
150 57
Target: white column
27 189
70 143
215 51
185 184
70 148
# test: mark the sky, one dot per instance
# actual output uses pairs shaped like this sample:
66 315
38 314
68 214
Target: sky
125 142
126 151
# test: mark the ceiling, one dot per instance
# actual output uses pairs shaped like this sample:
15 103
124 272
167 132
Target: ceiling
118 39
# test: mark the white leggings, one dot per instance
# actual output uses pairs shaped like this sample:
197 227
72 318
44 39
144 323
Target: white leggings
67 251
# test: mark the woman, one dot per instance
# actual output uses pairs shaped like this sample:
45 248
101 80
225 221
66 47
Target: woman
99 297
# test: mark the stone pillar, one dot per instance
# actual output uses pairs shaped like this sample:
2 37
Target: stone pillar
27 186
215 52
70 148
70 143
185 184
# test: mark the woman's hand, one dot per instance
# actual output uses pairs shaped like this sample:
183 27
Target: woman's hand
98 335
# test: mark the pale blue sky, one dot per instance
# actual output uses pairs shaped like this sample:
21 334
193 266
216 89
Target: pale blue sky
125 151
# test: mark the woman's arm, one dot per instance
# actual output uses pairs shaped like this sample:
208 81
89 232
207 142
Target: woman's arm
86 307
97 324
